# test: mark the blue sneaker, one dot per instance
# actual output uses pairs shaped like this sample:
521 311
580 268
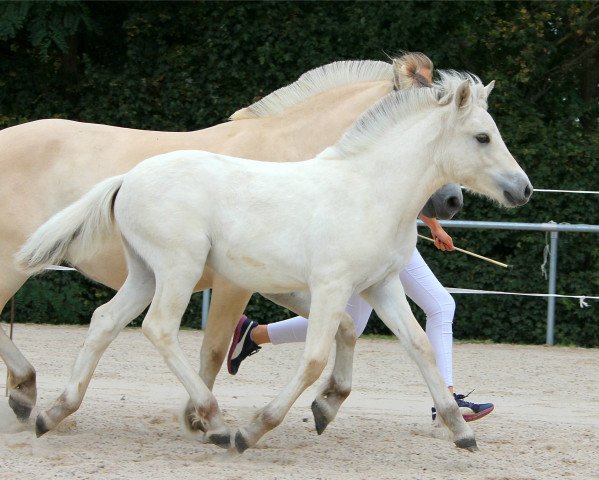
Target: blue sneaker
242 345
470 411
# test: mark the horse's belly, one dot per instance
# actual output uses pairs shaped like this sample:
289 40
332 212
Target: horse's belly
255 272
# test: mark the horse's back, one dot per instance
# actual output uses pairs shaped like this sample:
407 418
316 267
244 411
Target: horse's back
47 164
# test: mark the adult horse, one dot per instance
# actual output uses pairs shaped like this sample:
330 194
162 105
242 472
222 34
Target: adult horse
47 164
178 214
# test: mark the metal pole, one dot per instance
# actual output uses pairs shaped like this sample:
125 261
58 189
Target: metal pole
205 307
552 282
12 316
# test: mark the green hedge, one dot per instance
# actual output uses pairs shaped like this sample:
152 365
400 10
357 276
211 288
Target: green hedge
188 65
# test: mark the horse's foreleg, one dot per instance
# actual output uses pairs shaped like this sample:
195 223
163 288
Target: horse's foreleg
338 386
106 323
389 302
22 390
327 311
227 304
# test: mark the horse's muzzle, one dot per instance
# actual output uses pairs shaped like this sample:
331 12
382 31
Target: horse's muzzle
518 197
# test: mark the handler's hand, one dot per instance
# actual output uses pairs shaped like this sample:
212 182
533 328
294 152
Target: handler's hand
443 240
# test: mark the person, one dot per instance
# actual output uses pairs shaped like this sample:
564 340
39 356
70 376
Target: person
420 284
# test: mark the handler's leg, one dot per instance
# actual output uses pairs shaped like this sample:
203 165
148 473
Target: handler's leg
389 301
426 291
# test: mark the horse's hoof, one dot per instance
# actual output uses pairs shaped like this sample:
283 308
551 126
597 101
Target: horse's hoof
40 426
222 440
21 410
320 420
467 443
240 442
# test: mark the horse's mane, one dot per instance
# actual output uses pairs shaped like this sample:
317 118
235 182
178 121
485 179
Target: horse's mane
400 104
315 81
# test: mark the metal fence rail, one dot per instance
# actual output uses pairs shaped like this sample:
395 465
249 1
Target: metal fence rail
554 229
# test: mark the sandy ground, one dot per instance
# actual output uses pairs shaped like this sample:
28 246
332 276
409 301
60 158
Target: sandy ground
545 424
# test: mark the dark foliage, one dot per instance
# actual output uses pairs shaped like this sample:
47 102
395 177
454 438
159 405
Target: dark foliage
188 65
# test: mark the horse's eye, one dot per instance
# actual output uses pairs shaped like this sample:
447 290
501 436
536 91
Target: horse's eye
483 138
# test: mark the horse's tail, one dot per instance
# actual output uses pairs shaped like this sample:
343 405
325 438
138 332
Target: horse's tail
74 233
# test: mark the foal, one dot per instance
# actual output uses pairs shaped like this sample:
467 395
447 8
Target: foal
283 227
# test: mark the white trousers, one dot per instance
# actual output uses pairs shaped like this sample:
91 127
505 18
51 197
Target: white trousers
421 285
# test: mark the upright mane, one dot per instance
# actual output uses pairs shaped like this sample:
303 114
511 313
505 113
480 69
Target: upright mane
399 105
315 81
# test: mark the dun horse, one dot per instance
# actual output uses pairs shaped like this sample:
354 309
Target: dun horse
48 164
338 224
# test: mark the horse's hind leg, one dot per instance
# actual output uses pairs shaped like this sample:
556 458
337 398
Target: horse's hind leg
227 303
22 390
338 386
106 323
174 286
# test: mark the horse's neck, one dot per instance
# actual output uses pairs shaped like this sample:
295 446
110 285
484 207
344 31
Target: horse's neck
303 130
403 169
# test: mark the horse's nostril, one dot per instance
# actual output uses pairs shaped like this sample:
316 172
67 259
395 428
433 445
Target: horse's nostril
527 191
509 197
454 202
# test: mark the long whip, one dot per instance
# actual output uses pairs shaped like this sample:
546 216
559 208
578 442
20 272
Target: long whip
487 259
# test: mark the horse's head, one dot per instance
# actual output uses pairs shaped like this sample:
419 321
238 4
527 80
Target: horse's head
480 159
445 202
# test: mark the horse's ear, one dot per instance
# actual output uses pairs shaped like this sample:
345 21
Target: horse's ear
489 88
462 95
